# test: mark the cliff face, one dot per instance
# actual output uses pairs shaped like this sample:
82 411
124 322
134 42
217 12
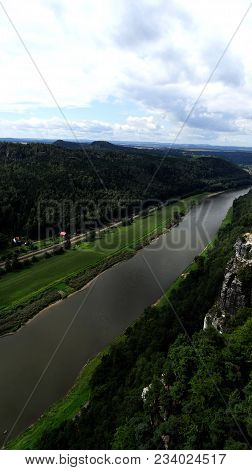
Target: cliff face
236 289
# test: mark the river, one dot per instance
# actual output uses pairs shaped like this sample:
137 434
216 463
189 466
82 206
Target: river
61 339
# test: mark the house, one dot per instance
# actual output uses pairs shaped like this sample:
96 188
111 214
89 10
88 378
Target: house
17 241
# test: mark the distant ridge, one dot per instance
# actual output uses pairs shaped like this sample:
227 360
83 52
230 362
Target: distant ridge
103 144
69 145
97 144
134 144
238 155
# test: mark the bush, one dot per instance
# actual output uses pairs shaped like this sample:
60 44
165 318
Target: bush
59 251
8 266
26 263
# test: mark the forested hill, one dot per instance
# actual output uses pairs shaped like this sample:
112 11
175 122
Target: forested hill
98 144
239 157
160 388
38 172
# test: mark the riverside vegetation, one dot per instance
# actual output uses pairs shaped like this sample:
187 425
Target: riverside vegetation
180 387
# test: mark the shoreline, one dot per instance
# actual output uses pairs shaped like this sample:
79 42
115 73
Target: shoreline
108 263
80 381
218 192
76 390
89 282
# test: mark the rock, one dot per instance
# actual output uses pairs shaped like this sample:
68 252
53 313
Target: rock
144 392
236 291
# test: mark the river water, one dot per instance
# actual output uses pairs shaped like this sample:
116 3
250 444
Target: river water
39 363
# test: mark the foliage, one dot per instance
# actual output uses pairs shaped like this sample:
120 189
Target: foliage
37 176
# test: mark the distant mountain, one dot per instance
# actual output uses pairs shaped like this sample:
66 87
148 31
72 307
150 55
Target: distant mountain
102 144
137 144
97 144
238 155
69 145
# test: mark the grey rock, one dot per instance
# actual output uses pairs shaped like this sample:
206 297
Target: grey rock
234 293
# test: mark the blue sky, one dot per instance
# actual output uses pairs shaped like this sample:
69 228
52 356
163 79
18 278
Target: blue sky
110 110
126 70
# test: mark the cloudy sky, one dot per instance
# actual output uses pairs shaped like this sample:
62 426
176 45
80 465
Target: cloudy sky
126 70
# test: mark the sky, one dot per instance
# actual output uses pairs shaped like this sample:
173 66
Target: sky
126 70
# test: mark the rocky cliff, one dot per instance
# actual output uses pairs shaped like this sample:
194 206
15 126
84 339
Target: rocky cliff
236 291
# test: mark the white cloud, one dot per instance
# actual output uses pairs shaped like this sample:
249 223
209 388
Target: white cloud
56 128
157 53
151 128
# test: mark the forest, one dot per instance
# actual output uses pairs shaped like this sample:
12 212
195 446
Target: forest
180 387
239 157
46 186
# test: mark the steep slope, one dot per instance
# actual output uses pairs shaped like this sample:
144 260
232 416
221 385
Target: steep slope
36 176
236 291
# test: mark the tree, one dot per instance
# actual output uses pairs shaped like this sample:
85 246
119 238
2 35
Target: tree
91 236
3 241
8 265
67 244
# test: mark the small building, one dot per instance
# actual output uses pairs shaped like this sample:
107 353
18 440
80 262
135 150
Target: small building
17 241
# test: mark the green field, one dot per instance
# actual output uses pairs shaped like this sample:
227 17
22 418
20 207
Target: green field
18 287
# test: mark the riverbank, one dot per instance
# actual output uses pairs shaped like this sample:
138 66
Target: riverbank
77 398
24 294
65 409
92 317
71 405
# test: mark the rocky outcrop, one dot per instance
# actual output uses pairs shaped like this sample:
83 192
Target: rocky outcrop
236 289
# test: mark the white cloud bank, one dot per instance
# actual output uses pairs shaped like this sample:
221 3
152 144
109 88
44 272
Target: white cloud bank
46 128
157 53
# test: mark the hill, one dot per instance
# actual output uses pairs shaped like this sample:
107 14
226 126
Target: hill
97 144
100 184
102 144
239 157
65 144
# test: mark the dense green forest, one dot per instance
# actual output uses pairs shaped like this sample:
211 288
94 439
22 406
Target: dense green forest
180 387
37 177
237 156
